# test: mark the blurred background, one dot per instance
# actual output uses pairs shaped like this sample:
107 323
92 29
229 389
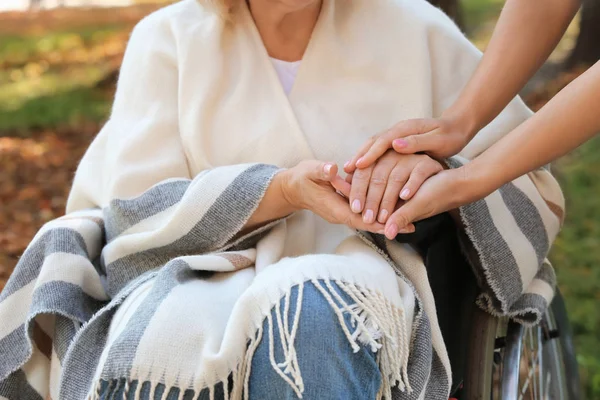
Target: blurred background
59 63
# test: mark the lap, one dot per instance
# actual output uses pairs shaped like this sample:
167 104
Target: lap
198 329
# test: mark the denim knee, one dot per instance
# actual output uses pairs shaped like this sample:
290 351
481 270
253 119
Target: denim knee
306 350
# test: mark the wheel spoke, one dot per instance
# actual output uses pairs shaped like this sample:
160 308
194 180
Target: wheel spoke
534 363
540 362
531 365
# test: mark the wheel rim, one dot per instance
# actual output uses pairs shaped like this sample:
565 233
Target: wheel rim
528 362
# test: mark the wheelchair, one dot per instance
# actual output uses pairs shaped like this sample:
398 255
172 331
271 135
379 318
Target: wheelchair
493 358
508 361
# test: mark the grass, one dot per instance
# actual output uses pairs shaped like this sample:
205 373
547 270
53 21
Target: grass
478 13
67 108
38 95
576 255
41 97
22 49
52 61
49 72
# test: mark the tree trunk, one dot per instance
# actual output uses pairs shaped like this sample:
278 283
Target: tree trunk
587 47
452 9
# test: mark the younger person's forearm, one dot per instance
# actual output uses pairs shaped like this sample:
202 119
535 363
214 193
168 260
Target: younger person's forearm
569 119
526 34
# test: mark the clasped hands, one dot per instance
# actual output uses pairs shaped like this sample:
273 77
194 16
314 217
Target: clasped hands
384 190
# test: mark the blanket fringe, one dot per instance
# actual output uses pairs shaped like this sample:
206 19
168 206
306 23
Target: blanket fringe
374 323
126 389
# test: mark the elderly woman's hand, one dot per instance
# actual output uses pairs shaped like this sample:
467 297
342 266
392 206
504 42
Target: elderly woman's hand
439 137
309 185
376 190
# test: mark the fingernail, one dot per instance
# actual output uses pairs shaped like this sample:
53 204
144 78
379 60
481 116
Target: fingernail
405 193
327 169
356 206
381 231
346 165
368 218
359 160
383 214
401 143
391 231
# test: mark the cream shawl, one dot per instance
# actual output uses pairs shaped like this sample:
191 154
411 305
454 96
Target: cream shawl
199 127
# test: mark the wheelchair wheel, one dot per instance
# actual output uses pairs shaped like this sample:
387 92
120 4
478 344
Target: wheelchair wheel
510 362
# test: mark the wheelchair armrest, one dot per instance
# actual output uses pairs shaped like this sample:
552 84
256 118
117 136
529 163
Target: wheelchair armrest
429 231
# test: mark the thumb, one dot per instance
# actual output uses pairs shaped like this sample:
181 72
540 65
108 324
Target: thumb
429 141
401 221
323 171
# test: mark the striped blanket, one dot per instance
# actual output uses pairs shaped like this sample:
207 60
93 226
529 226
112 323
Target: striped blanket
57 306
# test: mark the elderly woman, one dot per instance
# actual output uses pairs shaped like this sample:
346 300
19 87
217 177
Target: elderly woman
191 265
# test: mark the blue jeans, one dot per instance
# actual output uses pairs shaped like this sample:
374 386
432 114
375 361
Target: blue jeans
329 368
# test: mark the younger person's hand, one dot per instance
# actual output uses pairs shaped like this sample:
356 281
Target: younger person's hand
443 192
375 191
439 137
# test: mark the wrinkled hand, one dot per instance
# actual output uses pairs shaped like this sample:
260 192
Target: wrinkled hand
377 190
445 191
310 186
440 138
